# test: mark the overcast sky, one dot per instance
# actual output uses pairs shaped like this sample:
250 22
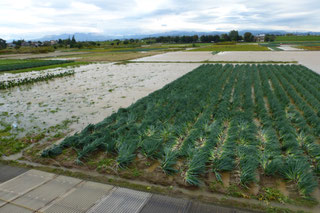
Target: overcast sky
36 18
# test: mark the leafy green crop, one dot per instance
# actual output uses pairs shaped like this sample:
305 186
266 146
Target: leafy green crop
219 118
30 64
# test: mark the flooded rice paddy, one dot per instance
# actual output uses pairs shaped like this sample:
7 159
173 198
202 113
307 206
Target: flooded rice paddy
93 93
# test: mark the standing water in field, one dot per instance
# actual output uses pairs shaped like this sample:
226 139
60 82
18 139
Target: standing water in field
72 102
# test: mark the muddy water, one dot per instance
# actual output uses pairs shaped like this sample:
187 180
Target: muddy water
93 93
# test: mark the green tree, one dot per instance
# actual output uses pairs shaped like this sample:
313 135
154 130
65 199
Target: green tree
3 44
18 43
234 35
225 37
269 38
79 45
73 42
248 37
195 38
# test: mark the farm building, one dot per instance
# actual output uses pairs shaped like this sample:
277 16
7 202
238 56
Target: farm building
260 38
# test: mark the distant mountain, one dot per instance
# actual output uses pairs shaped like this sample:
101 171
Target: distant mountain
101 37
78 37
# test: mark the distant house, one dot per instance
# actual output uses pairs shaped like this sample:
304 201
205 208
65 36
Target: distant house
11 45
53 42
35 44
260 37
25 44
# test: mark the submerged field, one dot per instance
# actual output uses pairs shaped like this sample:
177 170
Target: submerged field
241 130
44 105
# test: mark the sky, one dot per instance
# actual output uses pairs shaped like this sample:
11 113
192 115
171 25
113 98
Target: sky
36 18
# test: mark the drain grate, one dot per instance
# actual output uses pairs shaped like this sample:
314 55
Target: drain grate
160 204
121 201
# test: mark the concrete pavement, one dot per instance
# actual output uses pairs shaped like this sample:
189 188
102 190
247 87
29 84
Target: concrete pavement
25 190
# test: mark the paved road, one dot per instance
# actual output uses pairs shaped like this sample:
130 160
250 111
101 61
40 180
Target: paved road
23 190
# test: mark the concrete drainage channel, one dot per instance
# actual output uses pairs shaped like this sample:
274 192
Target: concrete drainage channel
23 190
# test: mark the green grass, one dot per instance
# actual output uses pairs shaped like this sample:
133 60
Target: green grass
14 61
232 48
298 38
72 64
13 65
310 48
306 45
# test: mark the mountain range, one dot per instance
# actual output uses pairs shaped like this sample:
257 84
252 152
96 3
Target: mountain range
101 37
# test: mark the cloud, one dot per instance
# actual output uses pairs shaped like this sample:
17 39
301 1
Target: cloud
35 18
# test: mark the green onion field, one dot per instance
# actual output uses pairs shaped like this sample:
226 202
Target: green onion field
257 120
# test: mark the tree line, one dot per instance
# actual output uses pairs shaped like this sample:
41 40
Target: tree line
3 44
232 36
225 37
73 43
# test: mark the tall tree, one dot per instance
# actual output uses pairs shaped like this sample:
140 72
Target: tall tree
234 35
248 37
225 37
3 44
73 42
195 38
269 37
